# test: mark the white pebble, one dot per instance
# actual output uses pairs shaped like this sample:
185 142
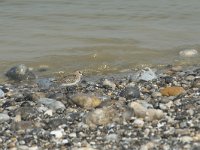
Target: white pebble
72 135
58 133
138 123
65 141
49 112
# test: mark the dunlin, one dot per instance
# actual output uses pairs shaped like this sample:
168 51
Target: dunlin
71 79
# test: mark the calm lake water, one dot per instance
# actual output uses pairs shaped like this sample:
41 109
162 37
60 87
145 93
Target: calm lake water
97 35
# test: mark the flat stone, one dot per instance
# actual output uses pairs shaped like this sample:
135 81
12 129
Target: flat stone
190 78
172 91
52 103
4 117
186 139
86 101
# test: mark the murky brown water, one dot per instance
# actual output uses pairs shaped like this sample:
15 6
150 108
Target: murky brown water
97 35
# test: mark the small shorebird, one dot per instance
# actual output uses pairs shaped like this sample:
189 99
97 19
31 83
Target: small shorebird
71 79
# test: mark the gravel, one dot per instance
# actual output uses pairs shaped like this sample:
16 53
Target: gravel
104 112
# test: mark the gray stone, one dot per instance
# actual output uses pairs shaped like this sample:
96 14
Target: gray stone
112 137
146 75
52 103
190 78
196 83
108 83
57 133
20 72
44 83
4 117
2 94
130 92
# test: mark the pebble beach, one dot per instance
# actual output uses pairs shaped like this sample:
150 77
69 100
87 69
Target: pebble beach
143 109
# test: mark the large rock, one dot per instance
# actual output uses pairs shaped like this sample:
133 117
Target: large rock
20 72
52 103
147 114
86 101
172 91
100 116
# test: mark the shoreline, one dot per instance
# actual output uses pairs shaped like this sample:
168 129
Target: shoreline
127 110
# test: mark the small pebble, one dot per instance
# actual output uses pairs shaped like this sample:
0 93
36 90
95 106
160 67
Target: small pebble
57 133
72 135
139 123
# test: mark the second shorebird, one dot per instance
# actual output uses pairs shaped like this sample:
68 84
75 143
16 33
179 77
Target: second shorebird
71 79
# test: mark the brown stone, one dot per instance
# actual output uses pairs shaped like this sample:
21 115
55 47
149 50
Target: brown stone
86 101
172 91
